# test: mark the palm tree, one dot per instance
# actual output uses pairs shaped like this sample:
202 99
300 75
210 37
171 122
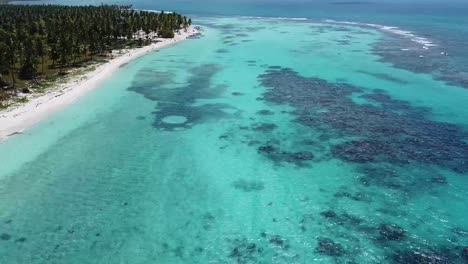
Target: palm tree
31 36
40 50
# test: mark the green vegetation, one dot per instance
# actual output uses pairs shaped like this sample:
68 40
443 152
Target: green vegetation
39 43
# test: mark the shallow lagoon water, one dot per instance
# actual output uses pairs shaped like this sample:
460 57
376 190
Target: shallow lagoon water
174 119
299 143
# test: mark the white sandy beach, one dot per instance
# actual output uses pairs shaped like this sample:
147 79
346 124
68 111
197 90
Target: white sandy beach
16 119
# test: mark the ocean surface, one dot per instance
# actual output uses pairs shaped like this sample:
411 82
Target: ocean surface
287 132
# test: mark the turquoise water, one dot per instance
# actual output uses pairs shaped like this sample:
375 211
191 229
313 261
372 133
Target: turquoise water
262 141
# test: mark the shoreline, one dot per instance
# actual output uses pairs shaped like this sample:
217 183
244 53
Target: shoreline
17 118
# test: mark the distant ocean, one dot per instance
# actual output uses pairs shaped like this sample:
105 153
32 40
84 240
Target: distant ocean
287 132
443 21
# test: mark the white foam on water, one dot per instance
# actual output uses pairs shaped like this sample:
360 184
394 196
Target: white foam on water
276 18
426 43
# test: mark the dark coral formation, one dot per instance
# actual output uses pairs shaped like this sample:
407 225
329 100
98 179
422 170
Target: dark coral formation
278 156
328 247
265 112
194 115
248 186
395 132
445 68
328 214
208 221
5 236
274 67
380 176
391 232
21 240
342 218
245 251
439 179
264 127
301 156
389 237
421 257
178 101
358 196
279 241
362 151
261 249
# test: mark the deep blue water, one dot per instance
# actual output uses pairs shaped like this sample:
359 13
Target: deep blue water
445 22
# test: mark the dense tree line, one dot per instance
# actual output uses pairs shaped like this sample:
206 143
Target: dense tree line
38 37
